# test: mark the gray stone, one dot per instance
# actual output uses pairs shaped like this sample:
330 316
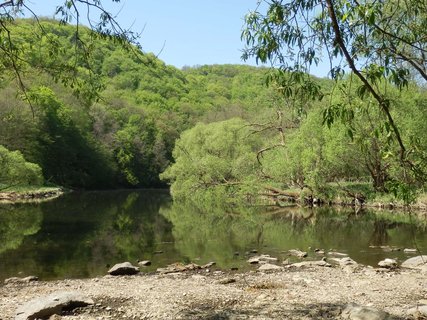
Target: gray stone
408 250
387 248
121 269
144 263
178 267
21 280
286 262
419 312
262 258
320 263
356 312
44 307
269 267
227 281
347 261
208 265
253 260
391 249
388 263
297 253
268 258
337 254
418 262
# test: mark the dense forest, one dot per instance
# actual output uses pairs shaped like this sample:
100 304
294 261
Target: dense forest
124 137
210 131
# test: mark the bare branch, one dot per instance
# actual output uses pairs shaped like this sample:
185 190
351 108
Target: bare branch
260 152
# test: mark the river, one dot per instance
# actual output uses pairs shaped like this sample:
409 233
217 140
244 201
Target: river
82 234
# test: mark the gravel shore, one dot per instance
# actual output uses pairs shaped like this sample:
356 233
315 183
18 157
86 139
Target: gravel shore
292 293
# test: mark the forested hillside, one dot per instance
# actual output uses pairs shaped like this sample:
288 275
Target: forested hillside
125 117
114 124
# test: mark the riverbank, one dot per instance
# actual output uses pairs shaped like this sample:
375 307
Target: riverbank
314 292
31 194
359 197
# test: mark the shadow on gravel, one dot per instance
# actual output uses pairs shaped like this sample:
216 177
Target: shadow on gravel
318 311
295 311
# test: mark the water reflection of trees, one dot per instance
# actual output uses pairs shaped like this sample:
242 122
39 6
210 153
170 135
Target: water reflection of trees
218 232
79 234
122 226
17 222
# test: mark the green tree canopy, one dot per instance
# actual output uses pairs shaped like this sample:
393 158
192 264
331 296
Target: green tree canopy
214 159
16 171
374 41
17 55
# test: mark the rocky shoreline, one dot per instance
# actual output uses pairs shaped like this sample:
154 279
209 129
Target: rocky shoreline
333 289
31 196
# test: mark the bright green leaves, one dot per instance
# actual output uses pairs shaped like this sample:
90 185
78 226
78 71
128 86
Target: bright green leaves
403 191
276 13
378 42
295 35
135 145
279 36
377 73
15 170
217 158
295 84
338 111
62 54
67 155
399 77
46 50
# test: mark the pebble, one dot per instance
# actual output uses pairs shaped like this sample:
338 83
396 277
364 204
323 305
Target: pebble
144 263
227 281
407 250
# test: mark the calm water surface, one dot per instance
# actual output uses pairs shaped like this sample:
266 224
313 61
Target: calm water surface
81 234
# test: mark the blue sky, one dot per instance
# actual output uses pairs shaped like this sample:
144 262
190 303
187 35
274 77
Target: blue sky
181 33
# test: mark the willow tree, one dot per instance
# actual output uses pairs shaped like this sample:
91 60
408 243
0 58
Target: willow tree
381 43
215 161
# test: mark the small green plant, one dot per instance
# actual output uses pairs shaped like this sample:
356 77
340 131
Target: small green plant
403 191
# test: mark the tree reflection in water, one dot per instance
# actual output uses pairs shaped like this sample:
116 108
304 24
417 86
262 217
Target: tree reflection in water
80 234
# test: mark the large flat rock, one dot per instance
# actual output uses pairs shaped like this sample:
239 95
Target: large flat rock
357 312
418 262
46 306
319 263
269 267
123 269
